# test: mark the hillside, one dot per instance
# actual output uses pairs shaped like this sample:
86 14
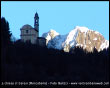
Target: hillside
26 62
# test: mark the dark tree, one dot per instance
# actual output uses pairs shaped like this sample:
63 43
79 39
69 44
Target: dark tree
5 43
5 33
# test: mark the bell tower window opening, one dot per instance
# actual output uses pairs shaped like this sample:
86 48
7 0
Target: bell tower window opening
26 31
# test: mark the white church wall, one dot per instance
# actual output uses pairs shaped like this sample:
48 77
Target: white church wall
30 35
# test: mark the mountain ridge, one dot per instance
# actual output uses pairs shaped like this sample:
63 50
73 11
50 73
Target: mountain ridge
78 37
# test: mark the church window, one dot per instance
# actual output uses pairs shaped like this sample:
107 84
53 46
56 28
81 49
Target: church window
26 31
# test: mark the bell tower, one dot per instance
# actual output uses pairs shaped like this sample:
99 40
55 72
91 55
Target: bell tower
36 22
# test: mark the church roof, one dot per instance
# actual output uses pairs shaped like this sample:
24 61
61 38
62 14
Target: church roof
41 38
27 26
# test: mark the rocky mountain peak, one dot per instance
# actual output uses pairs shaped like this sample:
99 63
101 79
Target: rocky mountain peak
78 37
50 35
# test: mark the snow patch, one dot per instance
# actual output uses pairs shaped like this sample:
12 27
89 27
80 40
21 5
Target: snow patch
80 45
71 38
104 45
95 39
82 29
89 42
97 32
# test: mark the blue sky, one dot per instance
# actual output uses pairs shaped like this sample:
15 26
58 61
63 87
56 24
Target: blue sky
61 16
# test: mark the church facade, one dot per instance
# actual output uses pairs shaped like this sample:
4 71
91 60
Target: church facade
28 33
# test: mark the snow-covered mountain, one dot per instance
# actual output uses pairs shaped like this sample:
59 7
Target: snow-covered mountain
78 37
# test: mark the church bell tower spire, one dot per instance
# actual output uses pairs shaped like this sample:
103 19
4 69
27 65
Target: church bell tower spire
36 22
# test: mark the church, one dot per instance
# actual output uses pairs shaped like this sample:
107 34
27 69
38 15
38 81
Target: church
30 34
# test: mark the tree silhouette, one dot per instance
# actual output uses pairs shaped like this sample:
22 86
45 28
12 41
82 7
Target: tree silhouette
5 33
5 43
